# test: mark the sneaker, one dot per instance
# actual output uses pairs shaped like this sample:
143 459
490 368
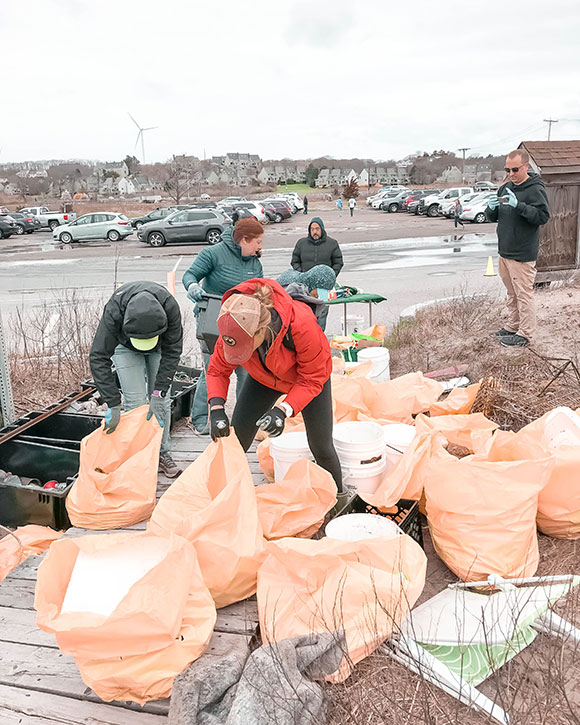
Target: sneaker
503 333
514 340
167 465
200 431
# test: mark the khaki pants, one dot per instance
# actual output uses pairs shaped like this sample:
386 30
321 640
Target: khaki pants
518 278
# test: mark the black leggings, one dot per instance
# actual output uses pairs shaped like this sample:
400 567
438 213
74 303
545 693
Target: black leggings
255 399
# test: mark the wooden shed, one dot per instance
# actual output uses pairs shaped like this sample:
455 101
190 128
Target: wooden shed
558 162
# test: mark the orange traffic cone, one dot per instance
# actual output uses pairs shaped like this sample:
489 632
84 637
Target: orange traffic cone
489 270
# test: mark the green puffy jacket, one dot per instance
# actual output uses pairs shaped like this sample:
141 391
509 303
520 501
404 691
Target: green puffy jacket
221 267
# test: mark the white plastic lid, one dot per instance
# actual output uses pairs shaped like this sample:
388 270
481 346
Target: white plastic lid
399 435
357 431
354 527
289 442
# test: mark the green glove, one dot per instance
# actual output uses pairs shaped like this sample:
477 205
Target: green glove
512 198
157 408
112 418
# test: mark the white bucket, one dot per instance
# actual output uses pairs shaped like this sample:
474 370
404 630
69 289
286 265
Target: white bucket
398 437
364 478
354 323
379 357
562 428
354 527
360 446
286 449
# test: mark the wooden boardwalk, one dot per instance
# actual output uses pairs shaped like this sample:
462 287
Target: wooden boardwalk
42 686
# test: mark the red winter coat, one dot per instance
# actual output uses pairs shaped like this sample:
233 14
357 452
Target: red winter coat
300 373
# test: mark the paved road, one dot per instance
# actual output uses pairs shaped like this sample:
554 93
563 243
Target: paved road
406 271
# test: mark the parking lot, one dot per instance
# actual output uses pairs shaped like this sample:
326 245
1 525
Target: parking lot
367 225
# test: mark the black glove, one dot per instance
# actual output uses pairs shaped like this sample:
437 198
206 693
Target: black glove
272 422
219 425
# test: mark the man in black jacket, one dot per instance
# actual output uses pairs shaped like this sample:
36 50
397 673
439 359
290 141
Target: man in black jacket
317 248
141 333
519 208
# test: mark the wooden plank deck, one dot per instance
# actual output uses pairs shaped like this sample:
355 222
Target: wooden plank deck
42 686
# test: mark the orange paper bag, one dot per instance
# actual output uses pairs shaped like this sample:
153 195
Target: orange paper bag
115 595
17 546
118 474
213 505
296 506
365 588
482 514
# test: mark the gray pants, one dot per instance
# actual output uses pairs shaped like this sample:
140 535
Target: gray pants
137 372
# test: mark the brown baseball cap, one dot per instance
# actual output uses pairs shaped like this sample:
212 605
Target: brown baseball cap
237 322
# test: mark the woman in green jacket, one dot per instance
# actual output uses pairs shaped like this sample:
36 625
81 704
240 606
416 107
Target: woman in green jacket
215 270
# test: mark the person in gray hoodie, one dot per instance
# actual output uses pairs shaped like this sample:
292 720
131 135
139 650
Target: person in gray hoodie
215 270
520 208
315 249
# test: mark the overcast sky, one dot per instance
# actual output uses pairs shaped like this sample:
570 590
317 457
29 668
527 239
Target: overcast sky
295 78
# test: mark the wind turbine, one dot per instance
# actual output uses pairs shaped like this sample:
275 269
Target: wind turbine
141 135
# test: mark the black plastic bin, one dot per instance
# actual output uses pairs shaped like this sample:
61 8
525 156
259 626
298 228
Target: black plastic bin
206 311
21 505
65 430
406 515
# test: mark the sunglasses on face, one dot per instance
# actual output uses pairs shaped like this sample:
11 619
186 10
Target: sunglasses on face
514 169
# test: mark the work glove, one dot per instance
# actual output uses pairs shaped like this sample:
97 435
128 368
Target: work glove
112 418
492 202
272 422
512 199
195 292
157 408
219 424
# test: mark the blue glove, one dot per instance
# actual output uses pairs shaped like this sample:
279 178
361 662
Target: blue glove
492 202
112 418
512 199
195 292
157 408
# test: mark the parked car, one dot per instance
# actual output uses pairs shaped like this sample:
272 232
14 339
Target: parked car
201 205
294 198
193 225
228 211
430 204
277 211
7 228
286 203
25 223
485 186
254 207
474 210
152 216
102 225
394 203
416 195
447 207
49 219
205 197
394 189
229 200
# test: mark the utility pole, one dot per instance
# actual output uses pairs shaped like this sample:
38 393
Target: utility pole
463 150
550 121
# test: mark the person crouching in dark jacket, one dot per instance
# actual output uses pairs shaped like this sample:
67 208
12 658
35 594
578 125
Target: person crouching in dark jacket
141 333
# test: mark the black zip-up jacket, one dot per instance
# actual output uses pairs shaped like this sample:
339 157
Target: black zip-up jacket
518 229
141 310
309 252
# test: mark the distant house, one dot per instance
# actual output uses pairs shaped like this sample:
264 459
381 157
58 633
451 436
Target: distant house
363 178
263 176
323 178
212 178
125 186
451 175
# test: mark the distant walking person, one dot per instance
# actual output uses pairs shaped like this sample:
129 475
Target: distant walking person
351 205
457 211
339 205
305 202
520 208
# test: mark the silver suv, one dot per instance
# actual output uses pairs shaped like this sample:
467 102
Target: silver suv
189 225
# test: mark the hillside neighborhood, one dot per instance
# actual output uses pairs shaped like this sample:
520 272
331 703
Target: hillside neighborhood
189 174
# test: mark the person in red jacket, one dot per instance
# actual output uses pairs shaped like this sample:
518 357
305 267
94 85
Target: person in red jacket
279 343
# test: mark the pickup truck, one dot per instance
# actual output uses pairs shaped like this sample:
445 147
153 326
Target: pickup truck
47 218
430 205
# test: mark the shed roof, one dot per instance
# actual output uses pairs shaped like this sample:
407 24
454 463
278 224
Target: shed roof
554 156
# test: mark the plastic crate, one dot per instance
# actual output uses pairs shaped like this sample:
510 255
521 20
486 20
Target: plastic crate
21 505
407 515
206 330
